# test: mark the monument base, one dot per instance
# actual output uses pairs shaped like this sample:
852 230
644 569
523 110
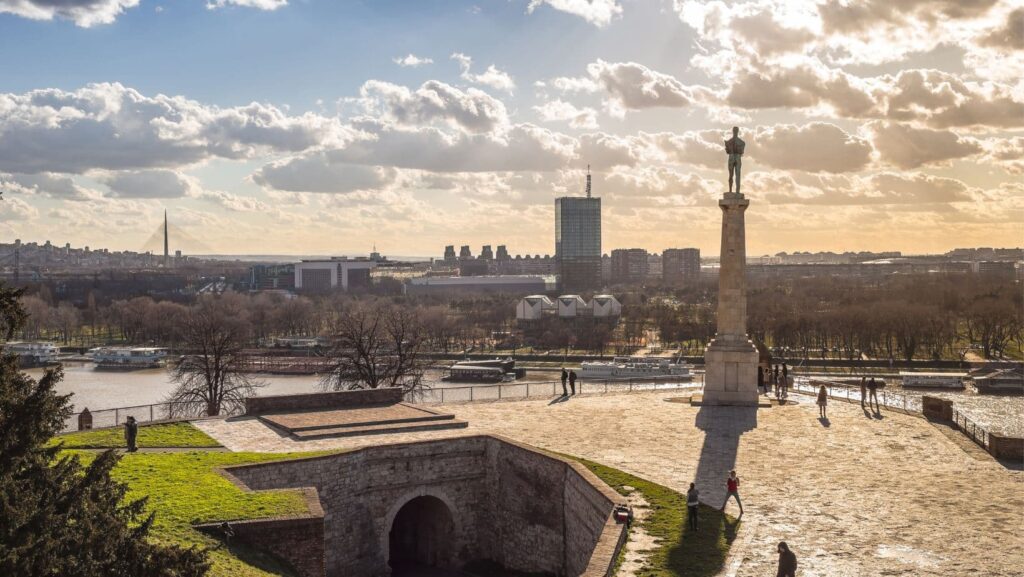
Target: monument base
730 372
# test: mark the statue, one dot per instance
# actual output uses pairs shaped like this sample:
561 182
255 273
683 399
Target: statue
734 148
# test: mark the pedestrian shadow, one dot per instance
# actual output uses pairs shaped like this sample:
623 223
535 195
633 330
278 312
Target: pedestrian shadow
877 415
825 422
559 399
723 427
703 553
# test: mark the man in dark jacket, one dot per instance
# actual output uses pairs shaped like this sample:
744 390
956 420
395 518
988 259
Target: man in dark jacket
565 377
131 433
787 561
692 505
572 381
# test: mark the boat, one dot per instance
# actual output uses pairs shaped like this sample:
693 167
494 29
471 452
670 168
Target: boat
1000 382
128 358
32 355
933 380
484 371
635 367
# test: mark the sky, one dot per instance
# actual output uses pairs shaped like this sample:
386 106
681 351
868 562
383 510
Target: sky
332 126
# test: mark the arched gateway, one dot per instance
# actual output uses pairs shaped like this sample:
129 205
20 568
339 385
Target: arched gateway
421 536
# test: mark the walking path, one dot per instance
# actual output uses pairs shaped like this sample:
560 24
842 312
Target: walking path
854 497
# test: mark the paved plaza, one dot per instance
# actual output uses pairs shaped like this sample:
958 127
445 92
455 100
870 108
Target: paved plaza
856 496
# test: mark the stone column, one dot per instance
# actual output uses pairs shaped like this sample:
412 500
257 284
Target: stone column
731 359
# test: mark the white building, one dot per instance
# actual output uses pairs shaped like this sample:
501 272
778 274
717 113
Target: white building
572 306
605 306
533 307
333 273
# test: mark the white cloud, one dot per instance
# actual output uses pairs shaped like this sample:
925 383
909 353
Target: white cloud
470 109
491 77
561 111
908 147
234 202
110 126
412 61
319 172
151 184
633 86
814 147
84 13
597 12
47 183
258 4
16 210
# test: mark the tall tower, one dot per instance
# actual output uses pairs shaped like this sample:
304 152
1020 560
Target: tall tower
166 245
578 240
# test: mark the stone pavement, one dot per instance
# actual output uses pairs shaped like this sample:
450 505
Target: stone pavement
855 497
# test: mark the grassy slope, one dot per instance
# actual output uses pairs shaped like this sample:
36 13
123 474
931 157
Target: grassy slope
681 552
184 488
166 435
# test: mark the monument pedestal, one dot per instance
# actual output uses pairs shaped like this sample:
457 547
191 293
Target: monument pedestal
730 359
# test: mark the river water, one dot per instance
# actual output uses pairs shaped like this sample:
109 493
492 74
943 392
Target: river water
106 390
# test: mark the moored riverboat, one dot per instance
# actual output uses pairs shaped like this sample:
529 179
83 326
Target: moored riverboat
128 358
33 354
933 380
635 367
484 371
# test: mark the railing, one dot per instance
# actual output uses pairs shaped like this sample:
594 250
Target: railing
526 390
971 429
504 391
851 394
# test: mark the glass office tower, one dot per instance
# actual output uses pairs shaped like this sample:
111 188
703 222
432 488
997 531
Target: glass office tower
578 242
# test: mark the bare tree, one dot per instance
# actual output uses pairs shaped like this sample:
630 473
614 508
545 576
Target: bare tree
212 378
375 345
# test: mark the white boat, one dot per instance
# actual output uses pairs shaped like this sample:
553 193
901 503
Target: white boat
933 380
635 367
33 354
128 358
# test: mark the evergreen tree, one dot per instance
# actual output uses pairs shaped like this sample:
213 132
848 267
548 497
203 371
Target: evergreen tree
58 517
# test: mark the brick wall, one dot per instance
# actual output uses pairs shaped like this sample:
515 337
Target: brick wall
527 510
331 400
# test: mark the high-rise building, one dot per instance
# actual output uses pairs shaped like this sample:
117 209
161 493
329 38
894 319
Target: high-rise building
465 253
680 266
629 265
502 253
486 253
449 255
578 240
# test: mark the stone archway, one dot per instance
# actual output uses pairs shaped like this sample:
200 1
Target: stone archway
421 535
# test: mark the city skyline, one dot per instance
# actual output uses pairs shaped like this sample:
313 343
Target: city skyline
261 134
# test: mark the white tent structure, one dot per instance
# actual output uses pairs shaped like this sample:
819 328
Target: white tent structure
572 306
605 306
533 307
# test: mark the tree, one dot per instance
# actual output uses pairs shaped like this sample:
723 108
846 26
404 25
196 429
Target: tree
58 517
213 377
375 345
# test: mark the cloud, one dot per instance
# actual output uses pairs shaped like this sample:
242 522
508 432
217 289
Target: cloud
412 61
659 186
471 109
561 111
945 100
908 147
234 202
602 150
84 13
319 172
47 183
110 126
16 210
634 86
1009 36
491 77
814 147
913 192
151 184
597 12
258 4
700 148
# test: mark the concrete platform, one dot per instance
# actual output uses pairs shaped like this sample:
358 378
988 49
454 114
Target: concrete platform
362 420
697 400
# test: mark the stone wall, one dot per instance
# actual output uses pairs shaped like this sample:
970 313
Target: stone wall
936 408
527 510
1009 448
331 400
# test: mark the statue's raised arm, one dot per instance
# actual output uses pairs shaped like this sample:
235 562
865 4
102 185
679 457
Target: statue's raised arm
734 148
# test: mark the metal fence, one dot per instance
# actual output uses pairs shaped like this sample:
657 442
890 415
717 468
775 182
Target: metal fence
851 394
438 395
971 429
526 390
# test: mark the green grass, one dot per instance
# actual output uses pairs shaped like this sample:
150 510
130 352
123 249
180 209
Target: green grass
184 488
681 551
152 436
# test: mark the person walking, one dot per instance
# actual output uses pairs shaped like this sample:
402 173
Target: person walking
565 377
822 401
760 379
131 433
775 382
572 381
732 486
873 395
787 561
692 506
863 391
785 379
